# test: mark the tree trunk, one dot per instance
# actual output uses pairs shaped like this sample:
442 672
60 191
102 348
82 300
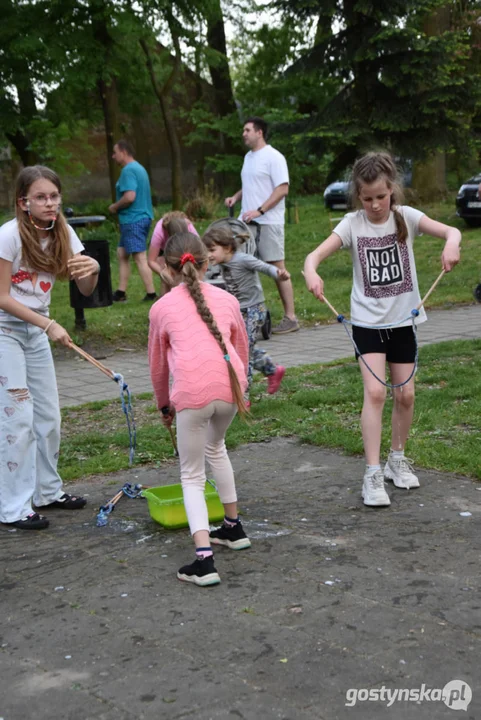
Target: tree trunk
110 107
200 161
429 175
107 88
142 153
221 80
163 95
21 143
175 150
219 70
19 138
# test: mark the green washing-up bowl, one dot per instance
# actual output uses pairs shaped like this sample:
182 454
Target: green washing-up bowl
166 505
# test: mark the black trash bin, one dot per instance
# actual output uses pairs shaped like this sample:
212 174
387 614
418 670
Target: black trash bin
102 295
97 248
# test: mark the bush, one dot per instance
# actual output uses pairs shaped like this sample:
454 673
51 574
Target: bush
203 205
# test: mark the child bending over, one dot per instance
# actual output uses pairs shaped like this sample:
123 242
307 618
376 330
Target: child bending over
197 333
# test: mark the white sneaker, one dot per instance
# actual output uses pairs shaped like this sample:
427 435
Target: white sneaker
373 490
399 470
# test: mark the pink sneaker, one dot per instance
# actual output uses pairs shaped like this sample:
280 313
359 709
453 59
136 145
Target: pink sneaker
274 381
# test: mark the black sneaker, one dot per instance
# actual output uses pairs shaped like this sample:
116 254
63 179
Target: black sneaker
34 521
201 572
150 297
232 536
119 296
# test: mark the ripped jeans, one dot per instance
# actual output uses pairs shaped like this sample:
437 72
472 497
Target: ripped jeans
29 421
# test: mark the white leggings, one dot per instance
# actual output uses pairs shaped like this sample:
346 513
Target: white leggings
201 436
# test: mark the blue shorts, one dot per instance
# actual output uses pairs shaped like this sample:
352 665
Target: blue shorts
133 236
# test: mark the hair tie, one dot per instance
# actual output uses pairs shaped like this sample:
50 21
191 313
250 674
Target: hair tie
187 257
227 358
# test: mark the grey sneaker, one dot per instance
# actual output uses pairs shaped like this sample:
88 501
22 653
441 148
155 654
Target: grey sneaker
286 325
400 472
373 490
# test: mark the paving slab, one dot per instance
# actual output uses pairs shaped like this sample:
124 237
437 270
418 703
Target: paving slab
78 381
333 598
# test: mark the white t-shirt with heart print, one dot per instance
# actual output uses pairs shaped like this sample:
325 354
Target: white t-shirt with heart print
29 287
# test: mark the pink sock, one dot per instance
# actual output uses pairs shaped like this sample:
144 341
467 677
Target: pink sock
203 552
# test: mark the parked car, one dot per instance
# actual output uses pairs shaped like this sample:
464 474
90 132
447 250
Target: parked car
336 196
468 201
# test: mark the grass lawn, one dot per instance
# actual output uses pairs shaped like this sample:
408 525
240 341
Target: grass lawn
125 324
320 404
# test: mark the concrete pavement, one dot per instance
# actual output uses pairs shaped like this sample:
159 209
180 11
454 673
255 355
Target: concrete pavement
79 382
334 610
333 600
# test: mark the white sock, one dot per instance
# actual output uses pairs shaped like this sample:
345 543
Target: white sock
371 469
397 454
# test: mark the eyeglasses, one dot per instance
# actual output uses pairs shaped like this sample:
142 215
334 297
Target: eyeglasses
43 198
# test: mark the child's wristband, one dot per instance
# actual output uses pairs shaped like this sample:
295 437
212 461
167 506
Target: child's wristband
48 326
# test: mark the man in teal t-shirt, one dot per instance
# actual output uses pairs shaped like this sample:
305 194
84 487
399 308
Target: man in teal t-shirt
134 208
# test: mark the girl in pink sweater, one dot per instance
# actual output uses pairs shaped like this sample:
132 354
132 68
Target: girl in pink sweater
198 335
171 223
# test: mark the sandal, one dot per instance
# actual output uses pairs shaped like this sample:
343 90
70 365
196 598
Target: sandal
34 521
67 502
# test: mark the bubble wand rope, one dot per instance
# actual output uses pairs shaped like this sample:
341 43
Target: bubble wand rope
414 314
131 491
125 397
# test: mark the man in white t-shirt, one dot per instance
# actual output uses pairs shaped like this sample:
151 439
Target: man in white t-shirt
265 184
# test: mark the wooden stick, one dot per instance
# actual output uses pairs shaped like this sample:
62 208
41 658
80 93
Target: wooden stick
331 307
325 300
430 290
174 443
115 499
94 362
86 356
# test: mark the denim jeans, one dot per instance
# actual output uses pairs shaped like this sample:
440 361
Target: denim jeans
29 421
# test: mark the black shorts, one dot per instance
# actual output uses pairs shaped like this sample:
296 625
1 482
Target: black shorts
397 344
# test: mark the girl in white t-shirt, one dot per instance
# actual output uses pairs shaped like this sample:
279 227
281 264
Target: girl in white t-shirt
385 290
35 248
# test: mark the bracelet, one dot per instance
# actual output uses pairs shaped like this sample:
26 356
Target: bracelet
259 209
49 326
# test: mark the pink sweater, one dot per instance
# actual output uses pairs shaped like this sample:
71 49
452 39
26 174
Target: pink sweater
180 341
159 236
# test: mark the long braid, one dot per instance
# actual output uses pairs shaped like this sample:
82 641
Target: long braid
401 227
176 246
